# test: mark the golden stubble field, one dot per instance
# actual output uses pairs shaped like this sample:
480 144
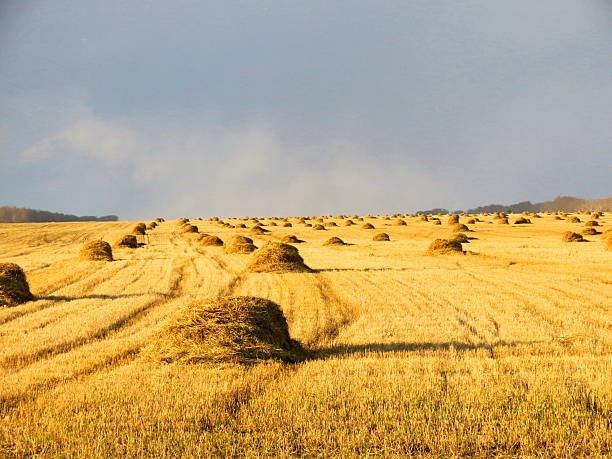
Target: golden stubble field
504 350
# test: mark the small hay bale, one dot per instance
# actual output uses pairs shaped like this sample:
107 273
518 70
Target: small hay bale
453 219
348 222
332 241
503 221
14 288
444 247
152 226
276 257
129 241
423 218
241 225
189 229
257 229
328 224
570 236
226 330
574 219
400 222
181 221
140 229
159 220
381 237
592 223
522 221
291 239
460 227
460 237
97 251
287 225
590 231
437 222
367 226
211 241
318 227
239 244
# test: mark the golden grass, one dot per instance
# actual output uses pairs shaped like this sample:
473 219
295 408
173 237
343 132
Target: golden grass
505 353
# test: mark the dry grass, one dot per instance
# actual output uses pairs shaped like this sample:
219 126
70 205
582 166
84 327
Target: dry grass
226 330
97 251
14 287
508 353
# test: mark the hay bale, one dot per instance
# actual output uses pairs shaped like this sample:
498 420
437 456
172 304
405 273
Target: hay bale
503 221
328 224
461 238
590 231
140 229
257 229
400 222
423 218
522 221
181 221
334 241
159 220
381 237
241 225
211 241
97 251
129 241
14 288
348 222
318 227
471 221
276 257
287 225
444 247
187 228
570 236
239 244
574 219
592 223
291 239
460 227
367 226
152 226
437 222
453 219
226 330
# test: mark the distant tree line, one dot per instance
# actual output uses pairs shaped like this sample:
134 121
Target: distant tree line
559 204
22 215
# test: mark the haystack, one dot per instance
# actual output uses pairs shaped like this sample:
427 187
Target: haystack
423 218
453 219
140 229
570 236
239 244
187 228
291 239
152 226
276 257
318 227
181 221
348 222
522 221
97 250
444 246
574 219
287 225
400 222
129 241
381 237
334 241
460 227
367 226
211 241
437 222
592 223
503 221
590 231
14 288
226 330
328 224
241 225
257 229
159 220
461 238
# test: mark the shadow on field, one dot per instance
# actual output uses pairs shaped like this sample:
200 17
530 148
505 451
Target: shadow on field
97 297
457 346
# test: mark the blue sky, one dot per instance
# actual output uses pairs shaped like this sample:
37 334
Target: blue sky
223 108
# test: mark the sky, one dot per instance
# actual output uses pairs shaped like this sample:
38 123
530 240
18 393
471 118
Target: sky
239 108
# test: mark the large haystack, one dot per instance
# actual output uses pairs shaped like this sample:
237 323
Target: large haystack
367 226
187 228
291 239
97 251
129 241
522 221
460 227
211 241
140 229
318 227
226 330
287 225
14 288
276 257
444 246
334 241
239 244
590 231
570 236
381 237
592 223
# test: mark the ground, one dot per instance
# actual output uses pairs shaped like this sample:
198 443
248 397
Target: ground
503 350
